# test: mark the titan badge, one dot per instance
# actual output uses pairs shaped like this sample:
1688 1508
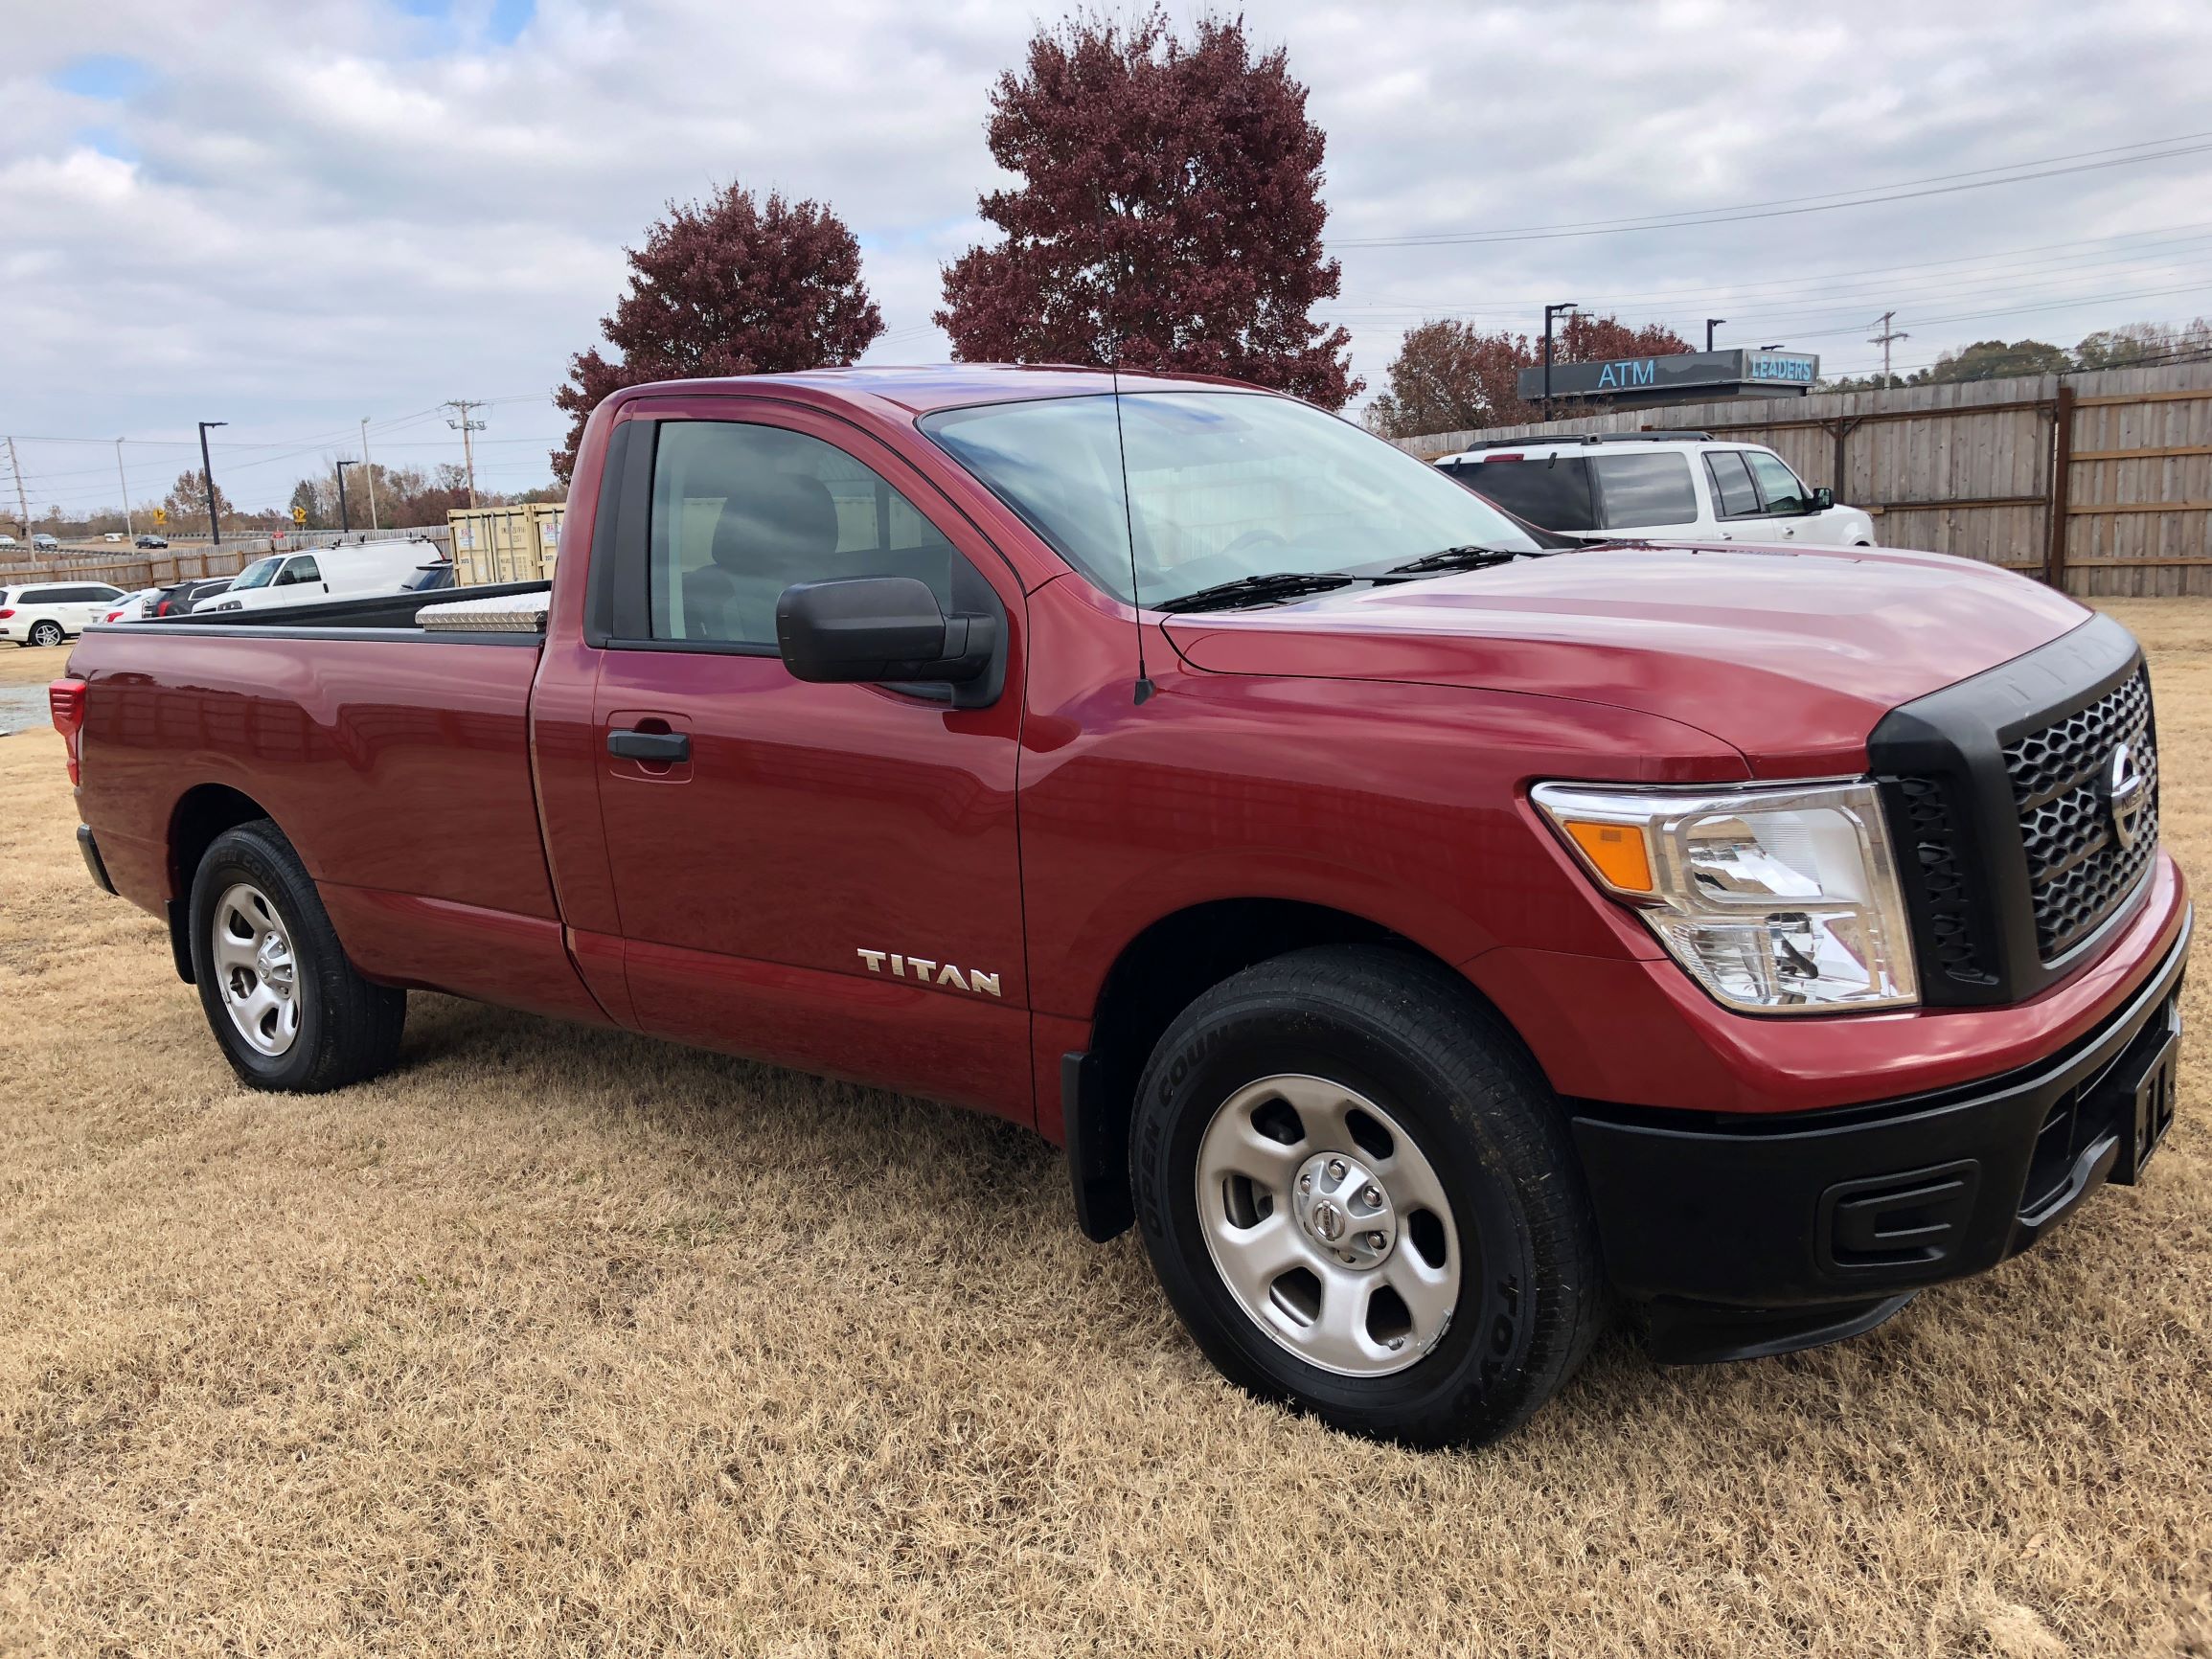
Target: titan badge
928 972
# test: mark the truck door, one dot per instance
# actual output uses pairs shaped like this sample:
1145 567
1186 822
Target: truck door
819 875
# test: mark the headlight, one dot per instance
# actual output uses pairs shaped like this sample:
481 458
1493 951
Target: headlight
1778 900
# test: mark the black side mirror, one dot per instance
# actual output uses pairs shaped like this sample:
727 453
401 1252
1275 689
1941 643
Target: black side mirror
875 629
1823 499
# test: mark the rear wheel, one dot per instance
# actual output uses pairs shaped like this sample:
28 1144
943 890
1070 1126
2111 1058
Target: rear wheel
46 634
1359 1195
287 1007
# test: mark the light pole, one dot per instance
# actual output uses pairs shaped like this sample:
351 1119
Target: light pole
215 528
1712 323
1549 312
128 528
370 470
344 523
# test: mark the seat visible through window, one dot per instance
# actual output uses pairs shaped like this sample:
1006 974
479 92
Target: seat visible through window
740 511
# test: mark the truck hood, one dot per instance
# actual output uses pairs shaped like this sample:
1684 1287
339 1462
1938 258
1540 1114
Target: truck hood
1789 654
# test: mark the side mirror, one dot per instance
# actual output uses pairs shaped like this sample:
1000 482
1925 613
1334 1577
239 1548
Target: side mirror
875 629
1823 499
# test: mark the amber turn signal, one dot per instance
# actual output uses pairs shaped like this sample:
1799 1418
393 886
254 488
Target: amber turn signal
1615 852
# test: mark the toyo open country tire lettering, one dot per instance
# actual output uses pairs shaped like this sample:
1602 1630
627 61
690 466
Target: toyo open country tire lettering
1358 1193
281 997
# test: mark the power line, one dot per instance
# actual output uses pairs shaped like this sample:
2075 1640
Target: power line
1784 207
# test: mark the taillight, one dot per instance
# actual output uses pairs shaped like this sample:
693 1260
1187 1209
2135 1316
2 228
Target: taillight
1514 455
66 698
6 612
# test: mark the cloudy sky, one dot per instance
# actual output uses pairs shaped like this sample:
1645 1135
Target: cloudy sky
293 214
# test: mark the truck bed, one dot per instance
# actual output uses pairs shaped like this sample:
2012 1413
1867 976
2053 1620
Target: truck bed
395 756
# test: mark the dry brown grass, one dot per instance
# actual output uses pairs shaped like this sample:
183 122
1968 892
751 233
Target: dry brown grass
564 1342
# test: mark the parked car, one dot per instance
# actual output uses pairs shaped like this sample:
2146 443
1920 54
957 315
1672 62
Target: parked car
292 578
48 612
1419 934
8 541
112 536
429 577
45 543
1684 485
151 541
178 600
133 607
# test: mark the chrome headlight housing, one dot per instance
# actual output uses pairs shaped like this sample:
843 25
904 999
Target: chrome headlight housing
1777 899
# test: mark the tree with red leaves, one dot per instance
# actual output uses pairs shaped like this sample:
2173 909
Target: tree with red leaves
1169 216
728 286
1450 376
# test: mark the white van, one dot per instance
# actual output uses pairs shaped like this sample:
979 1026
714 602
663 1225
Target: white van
320 575
1657 487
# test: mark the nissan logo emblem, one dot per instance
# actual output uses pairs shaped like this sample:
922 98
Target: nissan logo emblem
2125 795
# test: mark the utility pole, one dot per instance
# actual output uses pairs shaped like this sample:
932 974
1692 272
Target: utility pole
128 528
345 524
1883 339
465 426
1712 323
215 527
15 471
370 470
1549 312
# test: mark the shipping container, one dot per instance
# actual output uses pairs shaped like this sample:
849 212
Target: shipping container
505 543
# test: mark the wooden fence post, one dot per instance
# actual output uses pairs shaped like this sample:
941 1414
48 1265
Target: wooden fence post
2062 476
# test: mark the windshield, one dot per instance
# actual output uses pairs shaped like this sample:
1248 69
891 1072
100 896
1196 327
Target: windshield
259 574
1222 485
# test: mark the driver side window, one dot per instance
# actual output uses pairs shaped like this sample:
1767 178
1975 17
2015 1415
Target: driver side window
1786 497
741 512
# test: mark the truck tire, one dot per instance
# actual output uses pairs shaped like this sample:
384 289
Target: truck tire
1360 1194
281 997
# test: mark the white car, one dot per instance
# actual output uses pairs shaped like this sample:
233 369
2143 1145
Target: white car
48 612
8 541
1658 486
133 607
112 536
327 573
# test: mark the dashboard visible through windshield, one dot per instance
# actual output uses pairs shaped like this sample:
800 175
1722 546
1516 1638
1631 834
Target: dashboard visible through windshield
1221 487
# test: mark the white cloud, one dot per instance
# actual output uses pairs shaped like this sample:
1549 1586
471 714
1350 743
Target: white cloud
303 211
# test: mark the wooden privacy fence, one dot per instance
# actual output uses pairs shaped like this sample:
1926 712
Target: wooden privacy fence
2100 484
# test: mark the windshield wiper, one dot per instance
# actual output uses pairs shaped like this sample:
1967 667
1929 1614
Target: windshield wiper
1470 558
1259 589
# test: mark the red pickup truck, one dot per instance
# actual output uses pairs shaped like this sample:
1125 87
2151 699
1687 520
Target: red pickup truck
1427 935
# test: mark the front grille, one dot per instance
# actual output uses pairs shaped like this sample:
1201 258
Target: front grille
2079 873
1931 842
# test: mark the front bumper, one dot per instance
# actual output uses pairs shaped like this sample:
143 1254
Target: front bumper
1752 1236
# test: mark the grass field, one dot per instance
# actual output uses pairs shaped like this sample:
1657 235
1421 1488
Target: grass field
562 1342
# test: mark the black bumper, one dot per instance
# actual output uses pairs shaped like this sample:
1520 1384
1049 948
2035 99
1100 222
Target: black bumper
1764 1237
92 860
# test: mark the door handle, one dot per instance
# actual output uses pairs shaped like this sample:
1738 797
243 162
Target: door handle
635 745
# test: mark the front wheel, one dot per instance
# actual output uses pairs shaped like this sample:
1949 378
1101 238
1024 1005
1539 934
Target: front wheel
46 634
1360 1194
286 1007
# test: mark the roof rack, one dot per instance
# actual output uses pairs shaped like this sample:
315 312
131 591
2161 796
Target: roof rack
1533 438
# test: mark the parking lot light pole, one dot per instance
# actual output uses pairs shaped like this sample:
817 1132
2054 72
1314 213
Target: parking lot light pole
1712 323
128 528
215 528
1549 312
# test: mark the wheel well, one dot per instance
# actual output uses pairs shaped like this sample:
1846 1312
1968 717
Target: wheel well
1158 974
205 813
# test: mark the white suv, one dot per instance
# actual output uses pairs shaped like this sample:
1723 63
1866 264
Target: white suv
1657 486
46 613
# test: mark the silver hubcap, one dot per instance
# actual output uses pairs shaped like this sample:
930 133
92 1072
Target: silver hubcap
257 975
1329 1225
